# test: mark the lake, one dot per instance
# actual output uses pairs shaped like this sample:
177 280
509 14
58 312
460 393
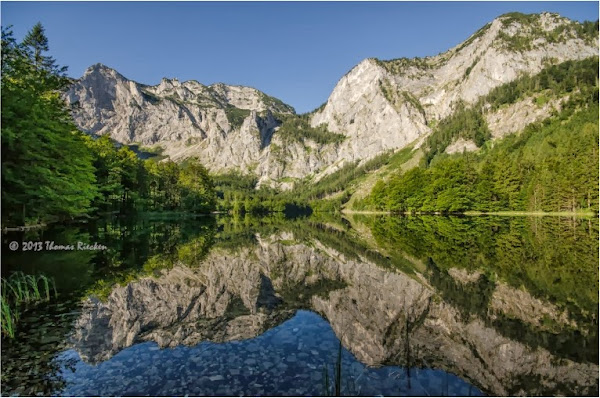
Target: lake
361 305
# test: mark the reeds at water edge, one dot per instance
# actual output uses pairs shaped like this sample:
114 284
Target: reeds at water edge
20 289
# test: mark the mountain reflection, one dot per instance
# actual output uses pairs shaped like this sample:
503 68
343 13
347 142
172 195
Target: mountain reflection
509 305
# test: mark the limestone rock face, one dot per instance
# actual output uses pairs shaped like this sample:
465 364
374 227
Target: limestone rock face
517 116
388 104
372 112
225 126
461 145
377 106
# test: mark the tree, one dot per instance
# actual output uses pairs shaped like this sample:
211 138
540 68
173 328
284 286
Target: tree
47 170
37 42
198 194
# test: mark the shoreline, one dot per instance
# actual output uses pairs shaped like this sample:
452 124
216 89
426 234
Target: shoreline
23 228
533 213
509 213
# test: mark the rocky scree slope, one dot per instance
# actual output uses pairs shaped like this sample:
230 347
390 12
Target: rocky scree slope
377 106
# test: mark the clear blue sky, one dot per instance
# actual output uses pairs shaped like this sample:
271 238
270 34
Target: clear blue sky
294 51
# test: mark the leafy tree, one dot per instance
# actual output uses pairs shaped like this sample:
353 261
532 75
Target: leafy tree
47 171
198 194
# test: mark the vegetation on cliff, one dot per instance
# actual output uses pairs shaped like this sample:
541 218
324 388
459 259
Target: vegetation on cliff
551 166
577 78
298 128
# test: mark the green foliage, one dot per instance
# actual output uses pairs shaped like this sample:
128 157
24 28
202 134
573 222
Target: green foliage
541 100
116 174
387 90
532 29
515 42
333 205
275 104
579 77
550 166
470 68
297 128
467 123
588 31
235 180
236 116
150 97
237 194
47 173
52 172
399 66
127 183
342 179
518 17
396 98
411 99
196 187
155 152
185 187
20 289
555 80
8 319
474 36
320 108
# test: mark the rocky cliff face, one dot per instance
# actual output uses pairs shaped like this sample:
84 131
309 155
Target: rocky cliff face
388 104
226 126
376 313
377 106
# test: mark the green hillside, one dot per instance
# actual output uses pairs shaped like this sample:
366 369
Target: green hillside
551 166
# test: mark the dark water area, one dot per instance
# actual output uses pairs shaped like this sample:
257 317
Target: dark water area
416 306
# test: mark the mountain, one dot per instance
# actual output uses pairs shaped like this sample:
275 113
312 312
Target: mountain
220 123
376 107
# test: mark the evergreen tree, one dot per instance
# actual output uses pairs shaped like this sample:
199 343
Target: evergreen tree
37 42
47 171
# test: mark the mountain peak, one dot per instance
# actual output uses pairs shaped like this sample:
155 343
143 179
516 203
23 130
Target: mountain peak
97 67
525 32
521 18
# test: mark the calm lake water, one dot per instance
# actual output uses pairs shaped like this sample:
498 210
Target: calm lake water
246 306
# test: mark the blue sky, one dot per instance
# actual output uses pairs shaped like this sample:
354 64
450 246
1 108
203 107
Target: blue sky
294 51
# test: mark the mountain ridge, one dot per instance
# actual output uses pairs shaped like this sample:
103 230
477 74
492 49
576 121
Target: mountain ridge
377 106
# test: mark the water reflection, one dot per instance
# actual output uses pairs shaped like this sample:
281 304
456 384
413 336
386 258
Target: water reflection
287 359
422 306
